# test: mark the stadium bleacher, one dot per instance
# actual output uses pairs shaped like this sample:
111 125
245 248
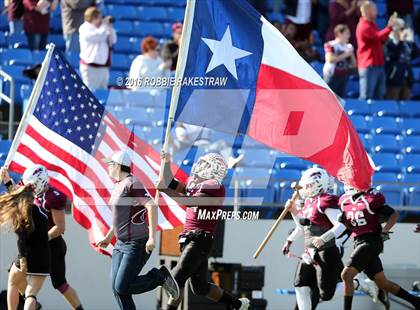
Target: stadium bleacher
390 130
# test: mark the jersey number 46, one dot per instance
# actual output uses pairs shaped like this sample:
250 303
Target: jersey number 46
357 218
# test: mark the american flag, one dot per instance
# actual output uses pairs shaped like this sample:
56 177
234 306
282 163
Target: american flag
70 132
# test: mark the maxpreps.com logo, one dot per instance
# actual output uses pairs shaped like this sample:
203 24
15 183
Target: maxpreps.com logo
220 214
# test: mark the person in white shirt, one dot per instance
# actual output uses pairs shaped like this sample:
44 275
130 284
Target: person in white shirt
148 64
340 61
96 40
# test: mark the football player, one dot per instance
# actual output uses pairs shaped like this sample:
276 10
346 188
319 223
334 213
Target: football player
316 217
203 192
363 213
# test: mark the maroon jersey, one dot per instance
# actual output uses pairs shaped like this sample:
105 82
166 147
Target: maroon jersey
51 199
314 209
201 217
361 213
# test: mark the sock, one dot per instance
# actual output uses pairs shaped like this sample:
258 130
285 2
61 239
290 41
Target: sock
229 300
170 307
403 294
79 308
303 297
347 302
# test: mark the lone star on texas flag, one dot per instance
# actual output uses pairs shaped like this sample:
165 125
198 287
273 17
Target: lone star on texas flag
224 53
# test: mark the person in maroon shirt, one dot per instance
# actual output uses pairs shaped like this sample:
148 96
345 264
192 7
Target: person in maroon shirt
316 218
52 204
344 12
363 213
203 194
370 56
36 21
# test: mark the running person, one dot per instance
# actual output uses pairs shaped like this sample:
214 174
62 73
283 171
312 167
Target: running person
135 238
204 191
363 212
28 272
317 218
308 276
53 203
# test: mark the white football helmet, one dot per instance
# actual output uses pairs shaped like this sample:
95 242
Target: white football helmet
210 166
331 185
37 177
314 182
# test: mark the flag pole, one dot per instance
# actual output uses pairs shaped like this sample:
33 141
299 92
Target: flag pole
179 72
36 91
283 214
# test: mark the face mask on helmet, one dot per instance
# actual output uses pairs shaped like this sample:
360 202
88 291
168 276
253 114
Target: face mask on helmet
350 190
314 182
37 177
210 166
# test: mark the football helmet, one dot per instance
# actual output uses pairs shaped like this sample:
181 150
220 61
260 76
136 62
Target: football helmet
37 177
314 182
210 166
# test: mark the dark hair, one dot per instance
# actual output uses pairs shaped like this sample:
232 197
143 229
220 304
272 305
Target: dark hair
340 28
125 169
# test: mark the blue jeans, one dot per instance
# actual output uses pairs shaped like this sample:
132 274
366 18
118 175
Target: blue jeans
15 26
372 82
72 43
128 259
36 41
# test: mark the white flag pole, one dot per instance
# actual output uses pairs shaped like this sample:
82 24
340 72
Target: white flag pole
36 91
180 69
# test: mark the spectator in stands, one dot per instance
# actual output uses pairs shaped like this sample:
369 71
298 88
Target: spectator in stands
170 49
340 60
149 63
299 13
370 56
399 51
345 12
36 21
14 14
97 36
303 46
72 18
404 9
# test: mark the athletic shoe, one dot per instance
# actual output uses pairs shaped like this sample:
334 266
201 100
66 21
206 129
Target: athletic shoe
244 303
384 299
170 285
369 287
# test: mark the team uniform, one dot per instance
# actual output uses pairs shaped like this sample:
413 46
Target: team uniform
52 199
33 244
362 214
196 240
325 269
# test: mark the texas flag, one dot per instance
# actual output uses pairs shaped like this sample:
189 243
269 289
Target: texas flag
246 78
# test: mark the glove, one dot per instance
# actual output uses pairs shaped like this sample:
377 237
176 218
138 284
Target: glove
385 236
286 247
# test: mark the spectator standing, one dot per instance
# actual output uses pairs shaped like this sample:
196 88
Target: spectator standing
370 56
303 46
343 12
36 21
149 64
15 10
72 18
97 36
171 48
399 50
299 13
340 60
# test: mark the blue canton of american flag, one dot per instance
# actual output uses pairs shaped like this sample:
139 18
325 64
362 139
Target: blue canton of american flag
67 106
70 132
